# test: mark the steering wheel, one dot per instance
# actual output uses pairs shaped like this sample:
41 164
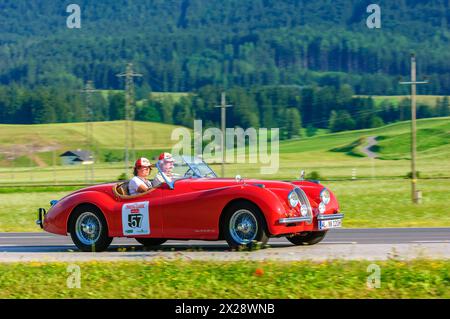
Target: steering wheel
187 173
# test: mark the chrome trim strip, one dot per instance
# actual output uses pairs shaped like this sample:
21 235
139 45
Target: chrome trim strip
331 216
305 201
293 220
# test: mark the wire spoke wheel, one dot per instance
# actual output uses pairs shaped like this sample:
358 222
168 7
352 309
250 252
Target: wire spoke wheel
243 226
88 228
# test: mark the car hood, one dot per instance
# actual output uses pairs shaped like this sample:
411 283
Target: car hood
208 183
281 188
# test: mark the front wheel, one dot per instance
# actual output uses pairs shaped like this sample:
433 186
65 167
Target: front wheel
150 242
243 225
89 230
307 238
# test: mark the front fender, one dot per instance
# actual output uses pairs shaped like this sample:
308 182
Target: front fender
272 206
57 219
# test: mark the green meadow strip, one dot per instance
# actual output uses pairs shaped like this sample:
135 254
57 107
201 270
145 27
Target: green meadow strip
244 279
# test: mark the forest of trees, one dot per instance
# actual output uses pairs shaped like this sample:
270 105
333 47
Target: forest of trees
284 63
287 108
182 45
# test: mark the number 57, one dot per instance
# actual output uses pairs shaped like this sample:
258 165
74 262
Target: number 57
134 221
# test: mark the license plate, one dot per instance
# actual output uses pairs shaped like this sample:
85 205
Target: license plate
331 223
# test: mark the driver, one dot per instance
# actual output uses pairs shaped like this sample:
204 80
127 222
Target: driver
165 161
139 183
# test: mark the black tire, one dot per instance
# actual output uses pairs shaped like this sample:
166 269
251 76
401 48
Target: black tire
150 242
255 218
307 238
97 242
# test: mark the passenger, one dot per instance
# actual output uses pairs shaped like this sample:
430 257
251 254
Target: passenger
165 162
139 183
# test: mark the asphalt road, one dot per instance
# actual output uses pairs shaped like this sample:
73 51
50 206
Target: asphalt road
379 243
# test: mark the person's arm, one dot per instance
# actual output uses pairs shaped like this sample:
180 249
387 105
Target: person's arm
143 188
139 185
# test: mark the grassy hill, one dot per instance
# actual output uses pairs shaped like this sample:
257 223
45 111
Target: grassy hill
39 141
395 99
333 156
394 139
176 96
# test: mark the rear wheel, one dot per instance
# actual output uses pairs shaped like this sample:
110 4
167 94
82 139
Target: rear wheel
89 230
307 238
149 242
244 225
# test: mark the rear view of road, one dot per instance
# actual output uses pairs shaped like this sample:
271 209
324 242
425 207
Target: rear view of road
352 244
371 141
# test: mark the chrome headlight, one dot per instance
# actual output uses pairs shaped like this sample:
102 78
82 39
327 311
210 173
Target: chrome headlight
293 199
325 196
322 208
304 210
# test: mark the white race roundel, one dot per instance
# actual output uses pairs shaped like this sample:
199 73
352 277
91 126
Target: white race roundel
135 219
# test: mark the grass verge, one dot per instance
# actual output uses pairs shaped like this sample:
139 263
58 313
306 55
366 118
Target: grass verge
199 279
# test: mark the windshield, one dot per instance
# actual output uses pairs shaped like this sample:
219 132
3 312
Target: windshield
186 167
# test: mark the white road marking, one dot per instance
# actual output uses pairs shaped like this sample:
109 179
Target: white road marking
27 237
431 241
339 242
37 246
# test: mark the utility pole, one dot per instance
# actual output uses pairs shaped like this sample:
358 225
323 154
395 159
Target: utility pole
413 83
129 112
88 90
223 105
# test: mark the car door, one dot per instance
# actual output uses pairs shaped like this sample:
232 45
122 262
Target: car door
187 213
141 216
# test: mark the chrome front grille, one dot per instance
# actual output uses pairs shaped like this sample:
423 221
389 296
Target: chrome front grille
304 201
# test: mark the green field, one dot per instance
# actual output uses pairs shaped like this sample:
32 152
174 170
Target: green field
175 96
39 146
110 135
200 279
395 99
334 156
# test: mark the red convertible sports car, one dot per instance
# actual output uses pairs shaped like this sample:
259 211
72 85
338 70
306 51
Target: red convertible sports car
195 205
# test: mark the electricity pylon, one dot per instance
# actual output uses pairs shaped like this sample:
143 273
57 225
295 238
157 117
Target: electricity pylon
129 75
88 90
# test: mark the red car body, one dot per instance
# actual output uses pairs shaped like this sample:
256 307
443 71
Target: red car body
194 208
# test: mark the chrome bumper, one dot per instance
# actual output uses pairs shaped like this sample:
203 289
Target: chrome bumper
331 216
294 220
307 219
41 215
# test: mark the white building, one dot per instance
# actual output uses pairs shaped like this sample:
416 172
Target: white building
77 157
